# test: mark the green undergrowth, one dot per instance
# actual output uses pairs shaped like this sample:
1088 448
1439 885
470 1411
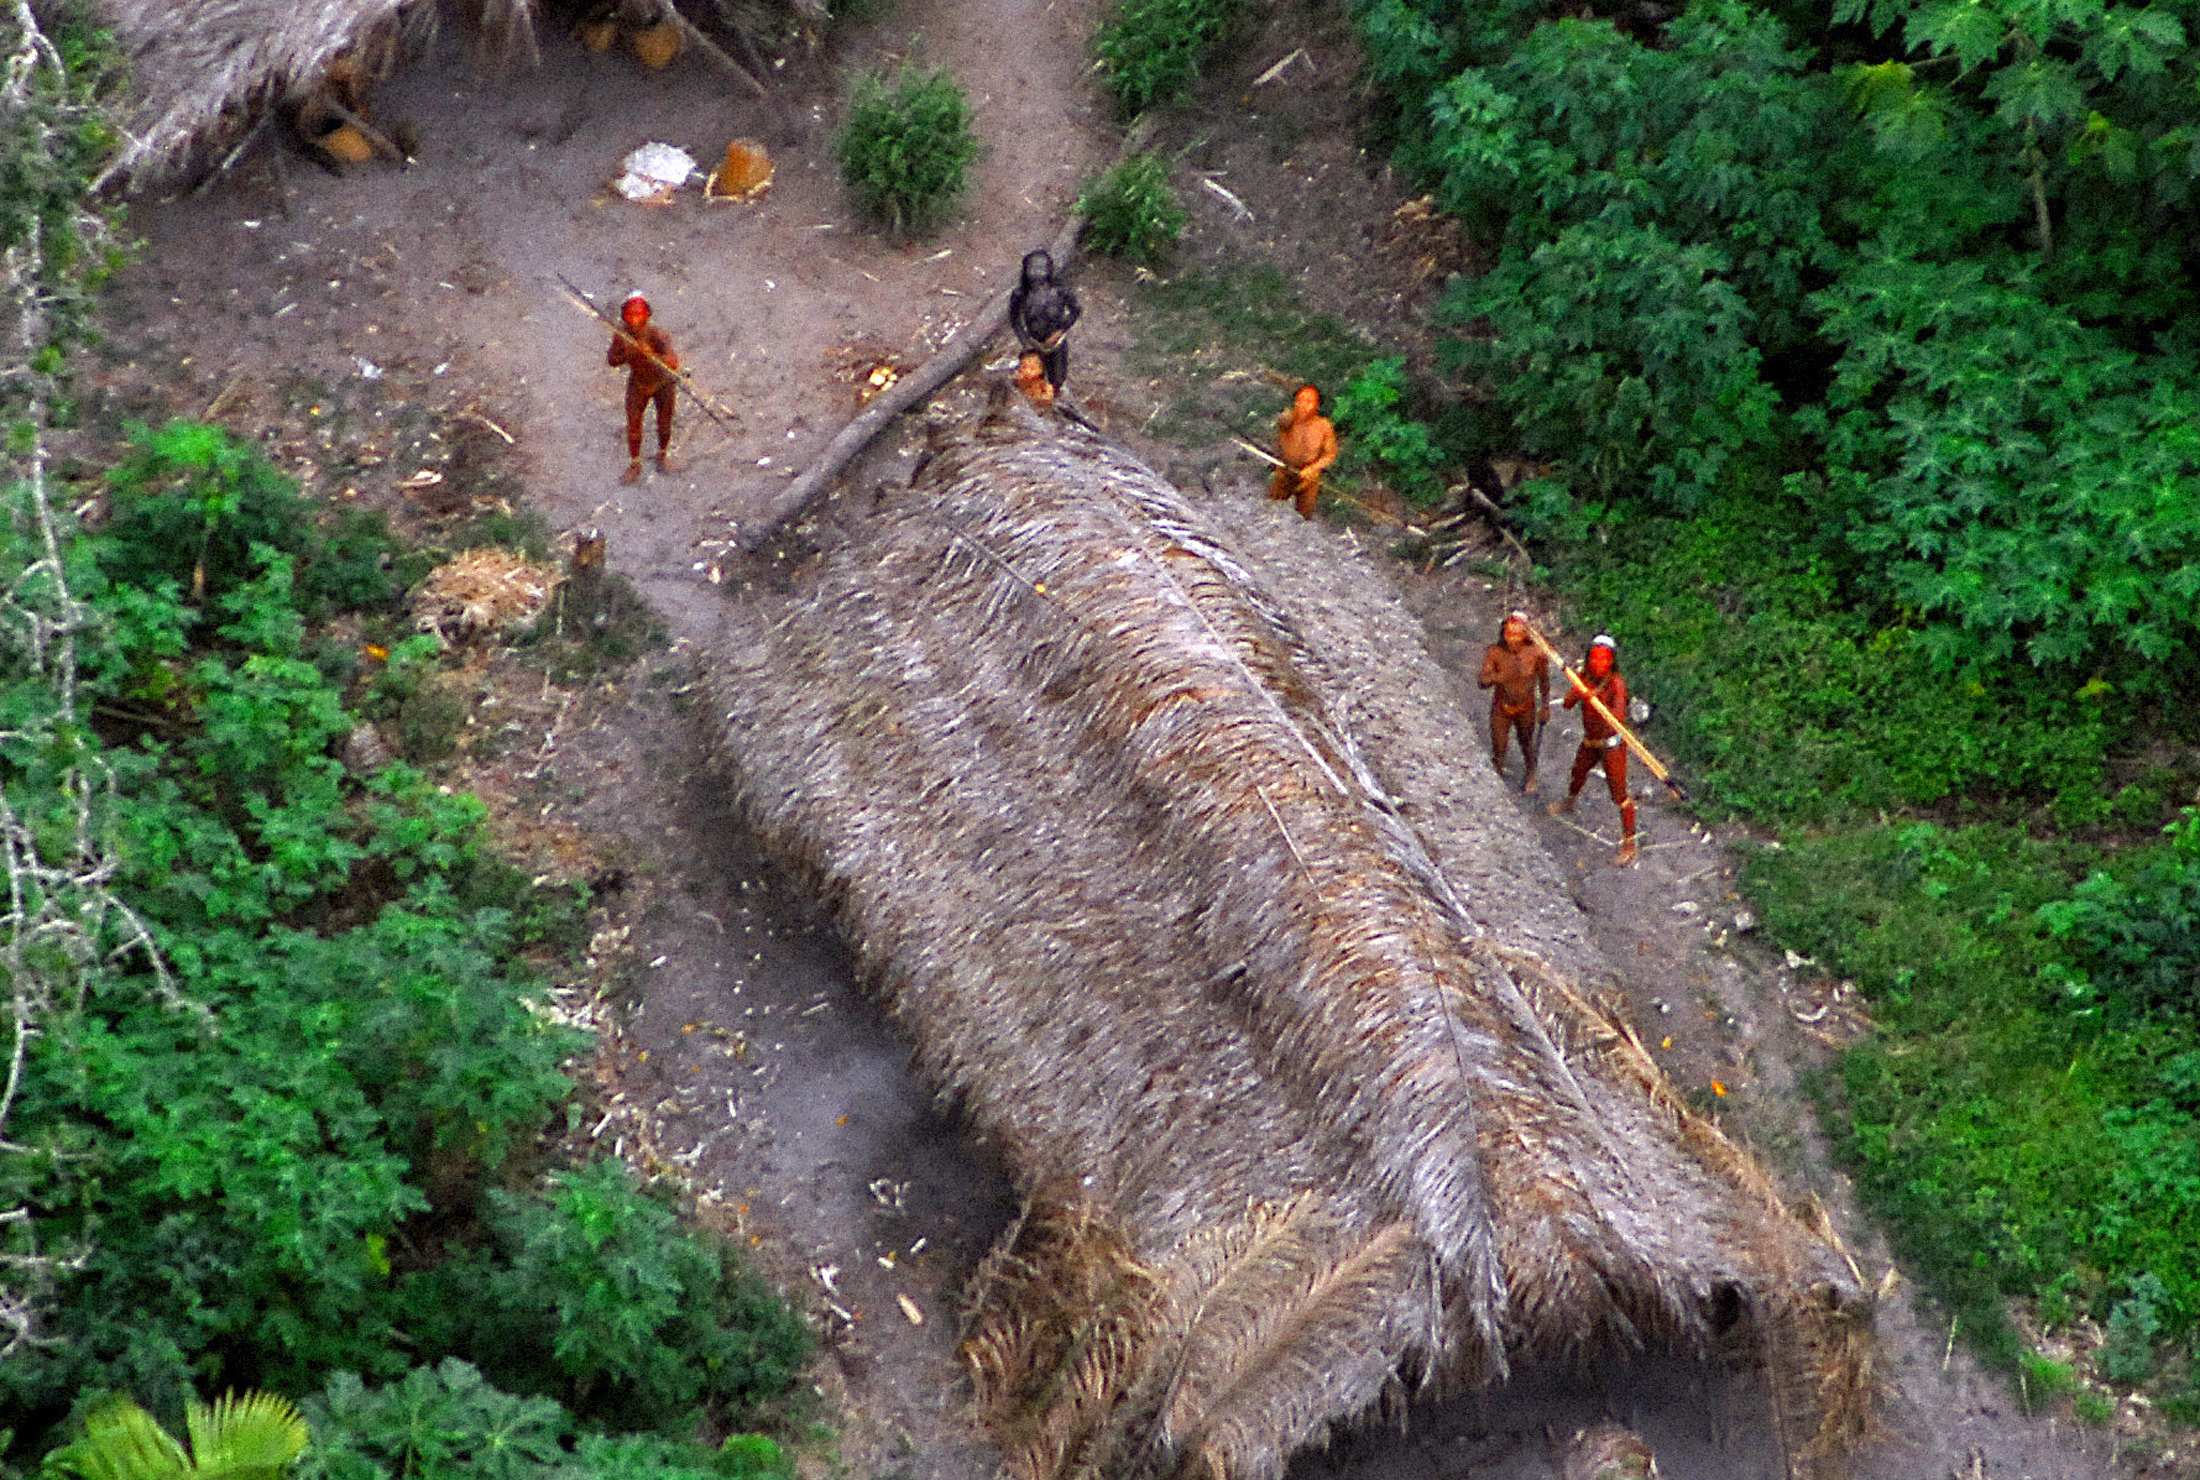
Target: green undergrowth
1130 210
1151 51
306 1142
906 147
1235 342
2022 1135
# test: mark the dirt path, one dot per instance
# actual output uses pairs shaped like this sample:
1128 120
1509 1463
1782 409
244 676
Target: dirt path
763 1075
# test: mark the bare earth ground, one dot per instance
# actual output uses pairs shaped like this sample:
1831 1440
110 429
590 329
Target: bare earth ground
743 1060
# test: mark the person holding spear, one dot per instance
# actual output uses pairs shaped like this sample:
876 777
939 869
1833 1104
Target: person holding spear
652 374
1601 740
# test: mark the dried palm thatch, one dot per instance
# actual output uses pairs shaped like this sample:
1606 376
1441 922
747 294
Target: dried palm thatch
483 590
205 72
1163 848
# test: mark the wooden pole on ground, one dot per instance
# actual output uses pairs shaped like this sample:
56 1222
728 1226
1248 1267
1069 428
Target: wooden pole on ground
915 387
1619 726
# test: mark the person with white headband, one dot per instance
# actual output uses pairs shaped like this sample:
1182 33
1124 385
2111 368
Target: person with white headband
1600 742
646 352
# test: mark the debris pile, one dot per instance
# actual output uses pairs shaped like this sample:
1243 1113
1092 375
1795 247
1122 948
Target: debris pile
654 173
487 590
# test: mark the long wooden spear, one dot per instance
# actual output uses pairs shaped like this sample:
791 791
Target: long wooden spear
1619 726
1329 484
710 408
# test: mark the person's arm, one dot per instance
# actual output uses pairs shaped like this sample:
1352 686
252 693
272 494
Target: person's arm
619 353
1072 311
1490 674
1017 321
1542 681
1573 696
1617 703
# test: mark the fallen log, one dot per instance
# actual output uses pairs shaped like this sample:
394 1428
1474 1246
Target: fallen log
916 387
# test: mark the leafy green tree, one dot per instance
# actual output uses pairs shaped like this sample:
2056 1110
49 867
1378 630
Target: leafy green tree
1151 51
1130 211
2089 102
594 1292
250 1436
2024 477
906 148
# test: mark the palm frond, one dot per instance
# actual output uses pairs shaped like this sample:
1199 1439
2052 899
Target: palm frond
121 1442
245 1436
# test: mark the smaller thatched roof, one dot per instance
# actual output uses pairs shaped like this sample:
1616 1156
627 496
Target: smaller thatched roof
203 71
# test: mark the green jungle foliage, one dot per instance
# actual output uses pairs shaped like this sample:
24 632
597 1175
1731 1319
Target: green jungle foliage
254 1436
2020 1140
906 148
1151 51
311 1143
1200 332
1861 340
1130 212
1925 254
1371 410
445 1420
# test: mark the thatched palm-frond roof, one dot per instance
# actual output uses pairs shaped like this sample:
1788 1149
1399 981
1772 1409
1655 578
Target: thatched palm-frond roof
204 69
1173 855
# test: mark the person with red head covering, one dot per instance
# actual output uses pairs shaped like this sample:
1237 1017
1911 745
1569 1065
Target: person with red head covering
646 352
1521 676
1600 743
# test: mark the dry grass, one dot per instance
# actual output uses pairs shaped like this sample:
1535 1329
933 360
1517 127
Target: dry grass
1156 843
486 590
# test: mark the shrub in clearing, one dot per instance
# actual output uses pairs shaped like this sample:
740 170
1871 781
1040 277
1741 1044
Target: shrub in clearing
907 147
1130 211
1151 50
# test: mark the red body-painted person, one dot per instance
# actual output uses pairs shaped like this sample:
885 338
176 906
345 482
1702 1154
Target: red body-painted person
649 360
1521 676
1600 743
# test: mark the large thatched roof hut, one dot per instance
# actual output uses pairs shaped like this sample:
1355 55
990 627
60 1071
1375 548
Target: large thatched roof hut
1169 850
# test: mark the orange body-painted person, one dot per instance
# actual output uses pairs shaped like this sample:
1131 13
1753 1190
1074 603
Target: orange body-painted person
1521 676
649 378
1308 443
1031 379
1600 743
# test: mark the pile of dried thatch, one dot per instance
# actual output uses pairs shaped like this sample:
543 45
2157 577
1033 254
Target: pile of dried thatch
1170 852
